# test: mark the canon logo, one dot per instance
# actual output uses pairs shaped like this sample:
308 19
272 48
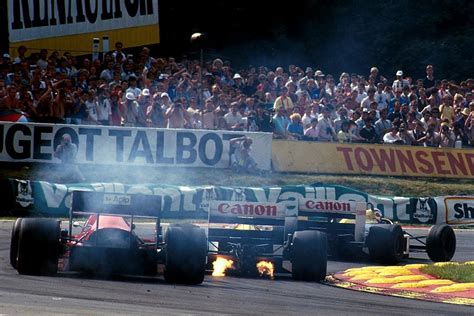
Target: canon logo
328 206
248 209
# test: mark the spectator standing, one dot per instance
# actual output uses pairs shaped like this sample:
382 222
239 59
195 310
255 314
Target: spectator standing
381 97
130 110
118 52
429 81
233 119
115 109
155 114
92 108
132 87
392 137
342 117
262 119
447 136
58 106
176 115
365 103
308 116
143 103
344 135
311 132
383 125
399 83
103 105
368 132
432 137
446 109
66 152
295 128
283 101
280 123
10 101
108 73
208 116
406 137
42 62
326 131
397 113
361 94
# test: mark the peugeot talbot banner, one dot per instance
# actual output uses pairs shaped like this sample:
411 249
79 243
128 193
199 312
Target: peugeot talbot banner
129 146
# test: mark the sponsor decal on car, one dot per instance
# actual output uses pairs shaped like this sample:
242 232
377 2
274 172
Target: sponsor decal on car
247 209
117 199
328 206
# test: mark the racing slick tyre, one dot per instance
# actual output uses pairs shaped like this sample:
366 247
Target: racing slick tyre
14 241
38 246
308 253
441 243
386 243
186 253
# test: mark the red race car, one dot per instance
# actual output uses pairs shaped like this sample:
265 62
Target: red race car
108 242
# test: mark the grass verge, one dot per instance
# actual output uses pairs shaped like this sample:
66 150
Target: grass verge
380 185
458 272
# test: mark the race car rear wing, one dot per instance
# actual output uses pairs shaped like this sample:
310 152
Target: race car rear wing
116 204
334 209
242 219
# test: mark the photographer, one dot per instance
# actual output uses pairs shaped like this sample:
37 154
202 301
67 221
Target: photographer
240 157
406 136
432 137
176 115
325 127
447 136
66 152
129 110
155 114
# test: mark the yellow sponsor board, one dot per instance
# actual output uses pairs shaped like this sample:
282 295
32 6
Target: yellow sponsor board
80 44
372 159
71 25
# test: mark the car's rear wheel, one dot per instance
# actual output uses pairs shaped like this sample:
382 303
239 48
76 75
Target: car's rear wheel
14 242
38 246
186 252
309 255
441 243
386 243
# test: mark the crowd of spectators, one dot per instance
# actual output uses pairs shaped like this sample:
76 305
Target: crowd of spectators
294 103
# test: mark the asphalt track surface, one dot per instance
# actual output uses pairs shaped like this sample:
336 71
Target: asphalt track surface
73 294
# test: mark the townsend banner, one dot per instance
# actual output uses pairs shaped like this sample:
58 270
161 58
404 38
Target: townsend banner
372 159
129 146
193 202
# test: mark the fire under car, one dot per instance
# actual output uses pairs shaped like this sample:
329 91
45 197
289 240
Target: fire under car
107 242
249 233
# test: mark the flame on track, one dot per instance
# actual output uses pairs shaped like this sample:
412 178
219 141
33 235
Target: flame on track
265 268
220 265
